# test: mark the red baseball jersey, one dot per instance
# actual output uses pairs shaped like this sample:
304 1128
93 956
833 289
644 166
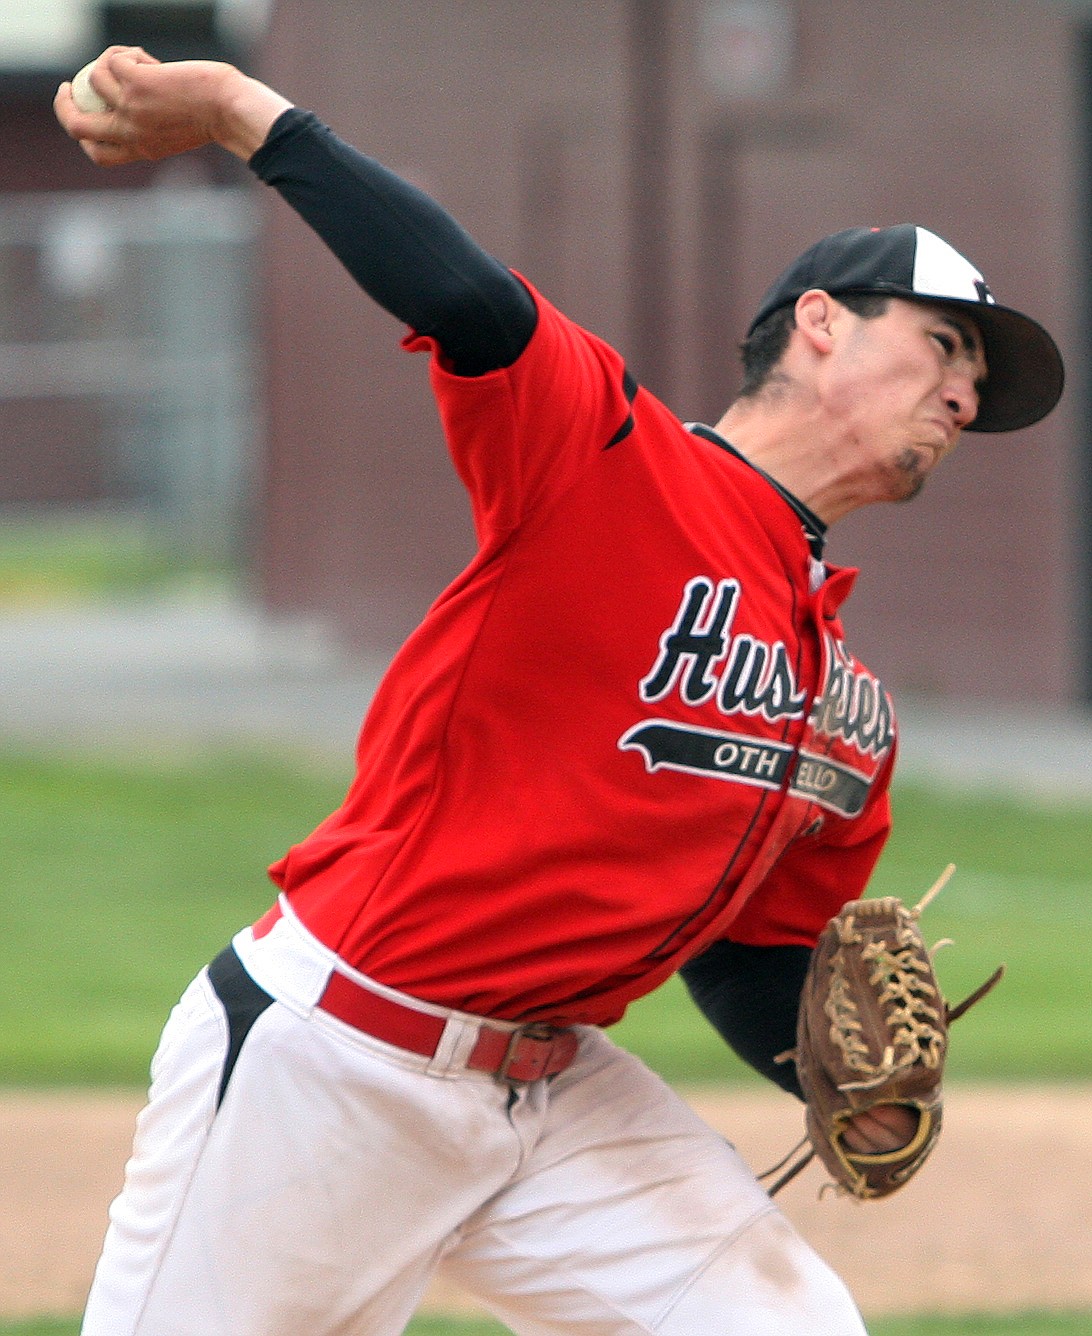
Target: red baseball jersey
629 728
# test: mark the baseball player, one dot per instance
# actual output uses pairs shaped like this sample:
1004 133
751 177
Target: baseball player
629 739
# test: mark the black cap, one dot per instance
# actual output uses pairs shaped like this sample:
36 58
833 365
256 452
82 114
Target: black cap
1024 368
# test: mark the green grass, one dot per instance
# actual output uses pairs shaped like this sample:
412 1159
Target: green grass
1019 1324
1016 1324
124 877
71 558
42 1326
1026 1324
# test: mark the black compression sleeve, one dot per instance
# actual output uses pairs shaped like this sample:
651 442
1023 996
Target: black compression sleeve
403 249
750 995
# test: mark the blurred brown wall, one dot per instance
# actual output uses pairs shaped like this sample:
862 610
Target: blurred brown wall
605 150
514 117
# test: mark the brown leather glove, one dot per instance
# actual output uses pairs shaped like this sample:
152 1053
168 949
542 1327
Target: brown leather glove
873 1029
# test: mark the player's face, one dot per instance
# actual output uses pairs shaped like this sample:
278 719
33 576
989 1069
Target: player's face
907 383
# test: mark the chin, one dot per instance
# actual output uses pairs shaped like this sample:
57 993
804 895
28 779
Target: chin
912 489
911 471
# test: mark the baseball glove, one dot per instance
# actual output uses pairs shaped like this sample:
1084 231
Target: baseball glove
872 1029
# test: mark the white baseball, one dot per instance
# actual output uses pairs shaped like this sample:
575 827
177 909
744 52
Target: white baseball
84 94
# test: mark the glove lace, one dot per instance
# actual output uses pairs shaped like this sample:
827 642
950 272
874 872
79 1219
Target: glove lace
911 1008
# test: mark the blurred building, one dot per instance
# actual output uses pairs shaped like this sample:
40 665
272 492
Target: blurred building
651 164
127 375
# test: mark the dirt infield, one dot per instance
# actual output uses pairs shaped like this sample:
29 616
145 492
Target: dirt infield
998 1220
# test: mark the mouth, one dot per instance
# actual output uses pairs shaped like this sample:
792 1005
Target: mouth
949 434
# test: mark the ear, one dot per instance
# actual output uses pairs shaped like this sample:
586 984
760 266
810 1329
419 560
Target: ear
815 313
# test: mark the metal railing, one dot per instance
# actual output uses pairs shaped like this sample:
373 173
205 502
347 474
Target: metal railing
127 355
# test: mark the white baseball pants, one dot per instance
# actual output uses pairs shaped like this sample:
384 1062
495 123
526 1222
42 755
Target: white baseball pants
338 1172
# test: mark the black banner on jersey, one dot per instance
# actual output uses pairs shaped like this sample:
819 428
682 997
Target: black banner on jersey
700 751
835 787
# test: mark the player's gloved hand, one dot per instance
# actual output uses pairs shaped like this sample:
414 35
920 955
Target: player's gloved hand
871 1044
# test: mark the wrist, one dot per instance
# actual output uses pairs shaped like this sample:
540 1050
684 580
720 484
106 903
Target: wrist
245 112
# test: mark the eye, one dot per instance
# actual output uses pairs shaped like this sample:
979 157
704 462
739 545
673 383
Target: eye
946 341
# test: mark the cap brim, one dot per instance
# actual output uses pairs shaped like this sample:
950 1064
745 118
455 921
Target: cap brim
1025 375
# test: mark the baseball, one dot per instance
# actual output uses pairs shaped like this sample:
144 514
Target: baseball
84 94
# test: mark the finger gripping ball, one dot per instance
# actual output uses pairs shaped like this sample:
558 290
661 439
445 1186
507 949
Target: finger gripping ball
84 93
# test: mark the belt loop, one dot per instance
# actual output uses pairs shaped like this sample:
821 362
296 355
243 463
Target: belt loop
454 1048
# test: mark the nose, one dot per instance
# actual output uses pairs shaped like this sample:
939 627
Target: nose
961 397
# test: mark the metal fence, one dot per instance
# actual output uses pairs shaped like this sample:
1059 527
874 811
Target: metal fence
127 357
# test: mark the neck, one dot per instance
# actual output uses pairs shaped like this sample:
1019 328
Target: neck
799 451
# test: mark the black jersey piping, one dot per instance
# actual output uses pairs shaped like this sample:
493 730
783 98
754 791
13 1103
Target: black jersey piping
629 389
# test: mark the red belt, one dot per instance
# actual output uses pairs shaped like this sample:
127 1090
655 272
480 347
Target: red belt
524 1054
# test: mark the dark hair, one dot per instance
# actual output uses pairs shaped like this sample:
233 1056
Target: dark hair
765 345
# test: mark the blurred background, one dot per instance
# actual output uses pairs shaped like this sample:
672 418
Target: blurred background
185 370
224 500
